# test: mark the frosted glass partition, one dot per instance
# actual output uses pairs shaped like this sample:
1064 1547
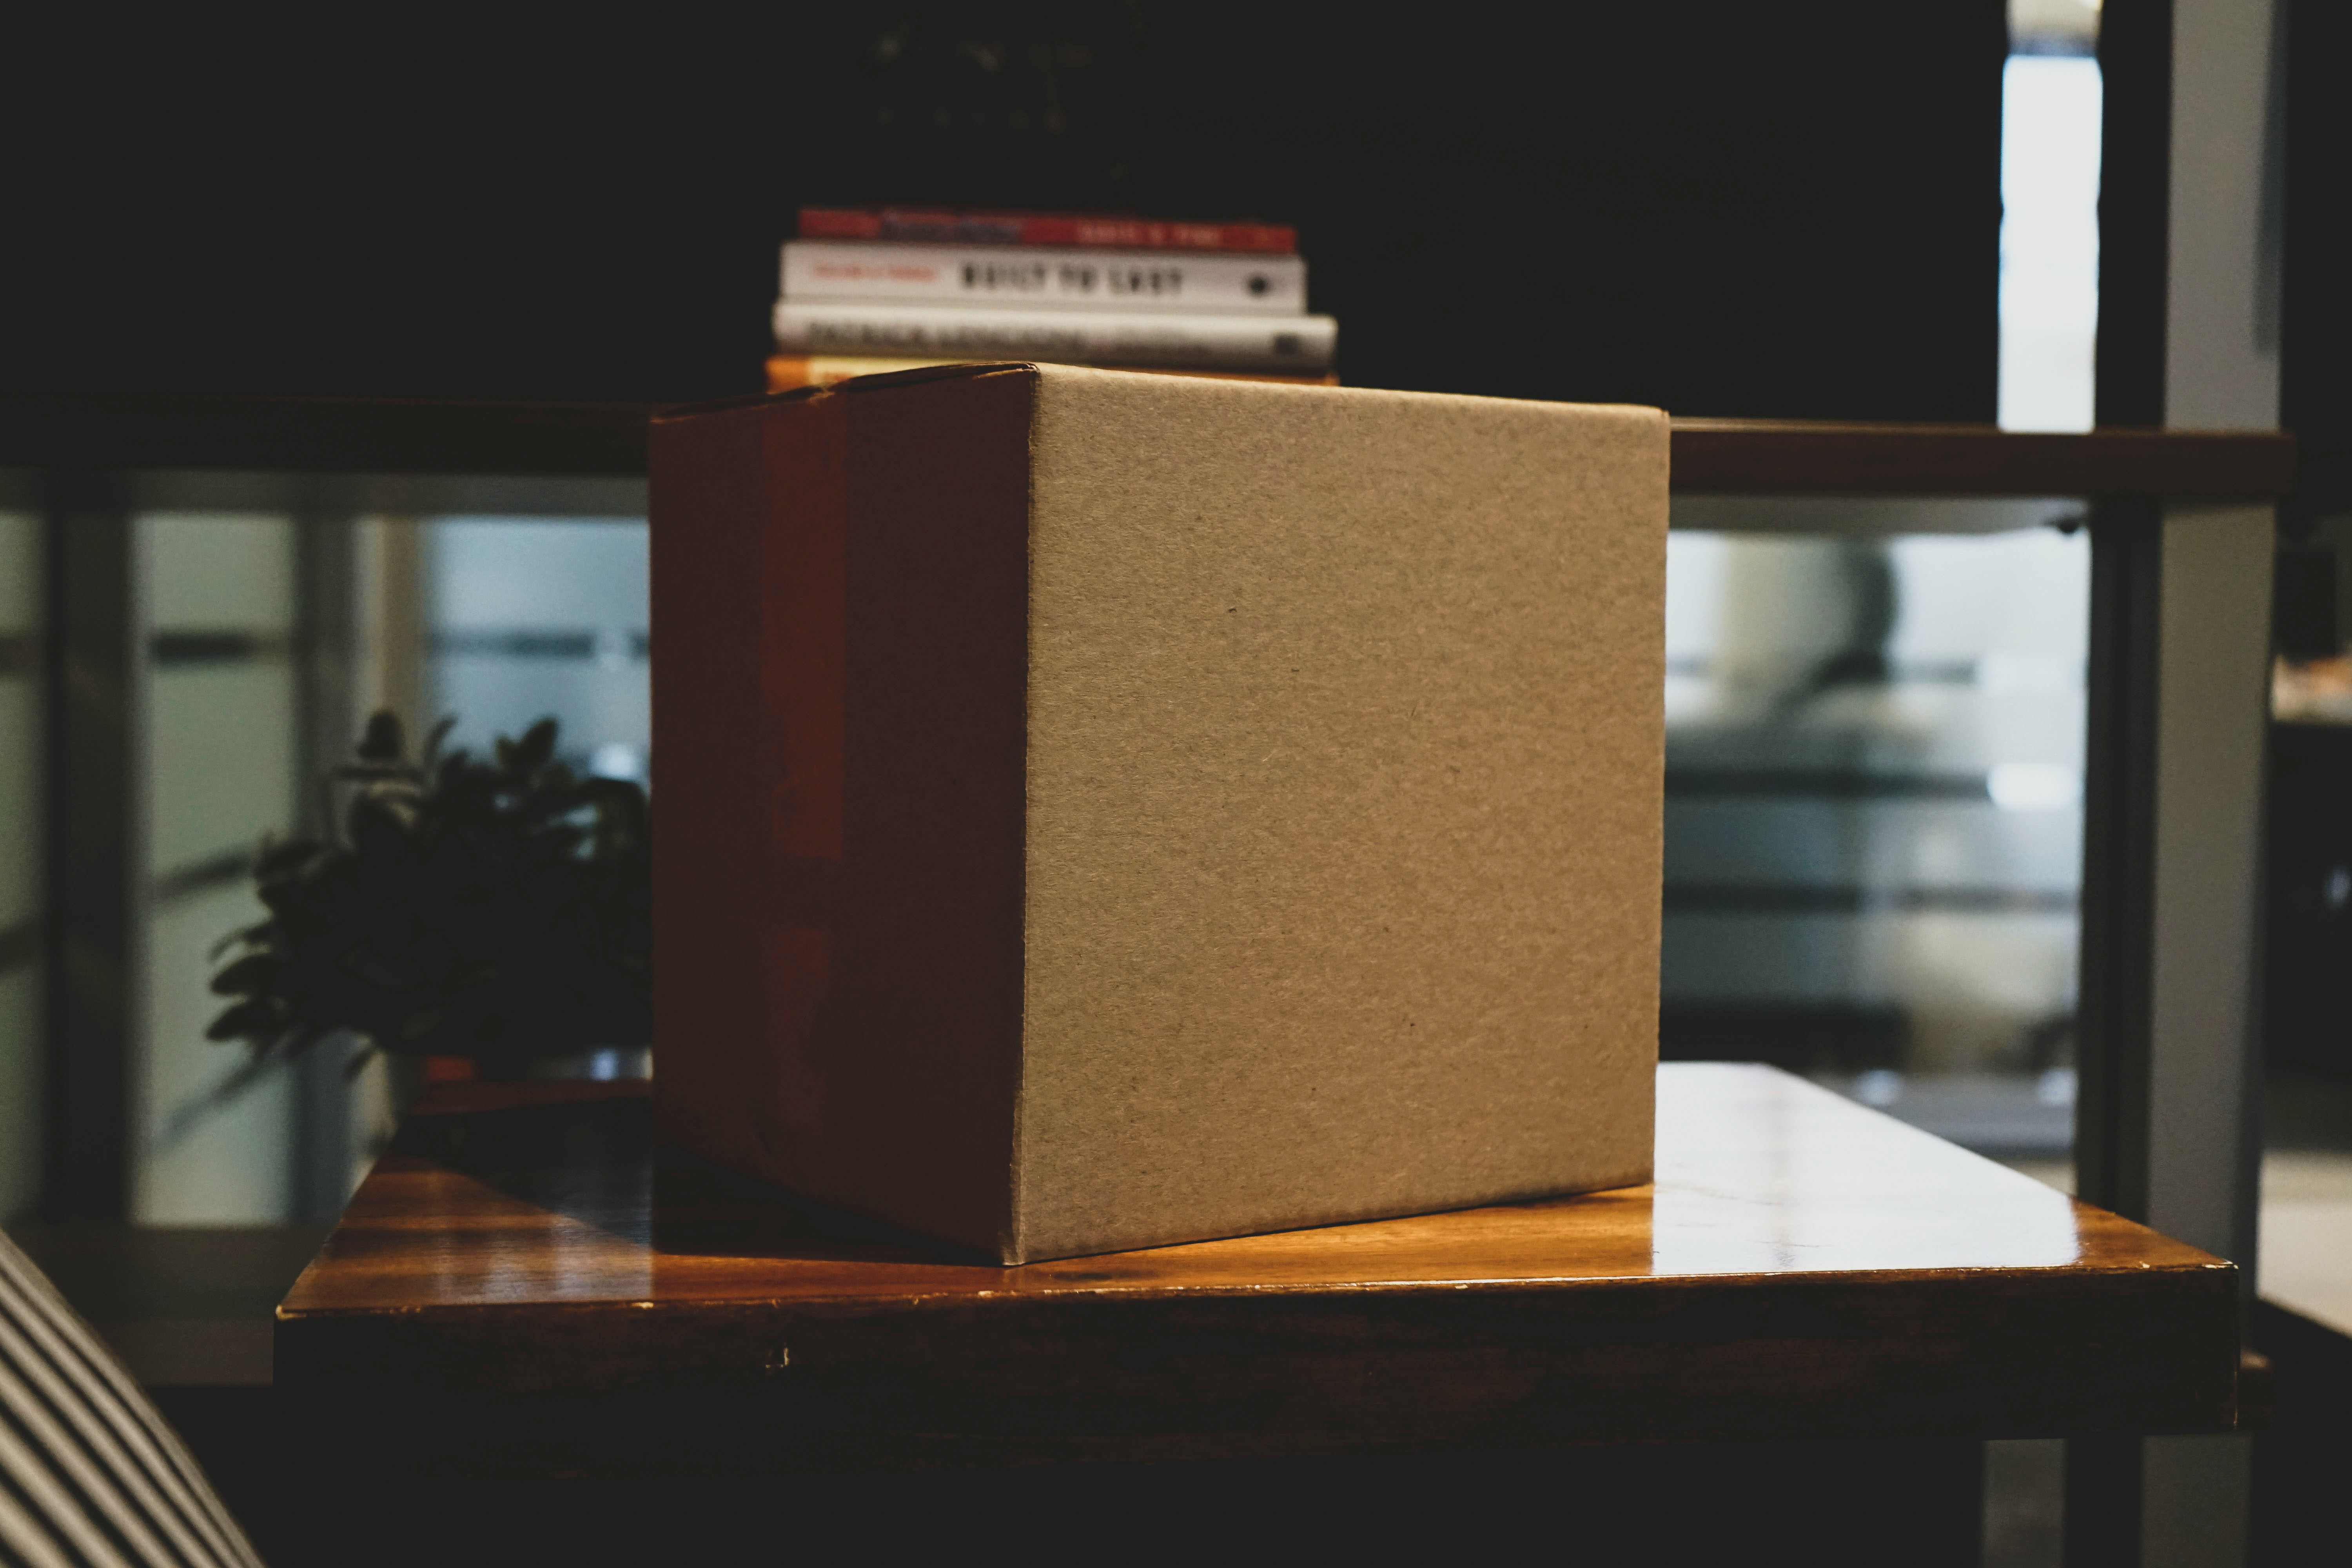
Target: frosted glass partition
1873 817
218 773
1876 725
527 619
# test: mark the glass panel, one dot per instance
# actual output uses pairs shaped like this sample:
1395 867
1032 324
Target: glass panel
531 619
219 773
219 571
201 1159
1875 751
221 741
20 1088
20 787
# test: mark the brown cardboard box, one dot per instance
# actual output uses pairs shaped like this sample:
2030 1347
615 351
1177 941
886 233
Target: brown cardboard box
1100 810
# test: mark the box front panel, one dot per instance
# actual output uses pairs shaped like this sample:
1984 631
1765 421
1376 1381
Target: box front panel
1345 741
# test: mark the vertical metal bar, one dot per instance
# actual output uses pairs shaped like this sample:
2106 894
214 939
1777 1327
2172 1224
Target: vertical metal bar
2135 208
2212 714
91 984
391 573
2111 1108
2103 1502
2315 312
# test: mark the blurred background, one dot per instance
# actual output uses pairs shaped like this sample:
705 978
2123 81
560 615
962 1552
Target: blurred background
1875 710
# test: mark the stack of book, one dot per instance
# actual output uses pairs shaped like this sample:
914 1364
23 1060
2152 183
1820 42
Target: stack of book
868 291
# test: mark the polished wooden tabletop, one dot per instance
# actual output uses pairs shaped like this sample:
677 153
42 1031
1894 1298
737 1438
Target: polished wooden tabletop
1802 1265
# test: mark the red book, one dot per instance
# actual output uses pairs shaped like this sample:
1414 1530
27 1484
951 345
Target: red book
937 225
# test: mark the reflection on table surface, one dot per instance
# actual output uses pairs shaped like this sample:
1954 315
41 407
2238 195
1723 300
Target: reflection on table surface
1759 1172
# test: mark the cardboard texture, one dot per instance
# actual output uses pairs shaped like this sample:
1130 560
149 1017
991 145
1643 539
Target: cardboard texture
1102 810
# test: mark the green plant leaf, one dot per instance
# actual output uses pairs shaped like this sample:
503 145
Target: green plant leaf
383 741
244 936
500 907
249 976
257 1020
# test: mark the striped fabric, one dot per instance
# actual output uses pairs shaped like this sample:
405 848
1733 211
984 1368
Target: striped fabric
90 1476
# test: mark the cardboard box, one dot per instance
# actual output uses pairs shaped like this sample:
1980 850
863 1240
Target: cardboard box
1099 810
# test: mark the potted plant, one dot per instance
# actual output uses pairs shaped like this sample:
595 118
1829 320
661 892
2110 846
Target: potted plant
497 911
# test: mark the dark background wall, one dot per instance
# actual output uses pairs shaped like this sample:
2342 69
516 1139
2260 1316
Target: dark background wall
2316 325
1725 208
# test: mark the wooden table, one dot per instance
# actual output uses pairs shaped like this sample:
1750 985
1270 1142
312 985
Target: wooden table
533 1282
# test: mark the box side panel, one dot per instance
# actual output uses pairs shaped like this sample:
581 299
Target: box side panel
839 596
722 1086
921 1051
1346 763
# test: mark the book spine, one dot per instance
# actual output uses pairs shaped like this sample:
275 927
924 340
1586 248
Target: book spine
788 373
923 226
1294 344
1030 277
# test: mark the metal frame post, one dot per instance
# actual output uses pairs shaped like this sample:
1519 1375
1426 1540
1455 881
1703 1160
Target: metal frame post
2168 1119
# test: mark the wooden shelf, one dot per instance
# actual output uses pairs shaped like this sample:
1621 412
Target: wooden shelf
517 1278
1731 456
1772 457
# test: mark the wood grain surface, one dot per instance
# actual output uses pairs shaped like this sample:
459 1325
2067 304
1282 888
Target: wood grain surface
532 1285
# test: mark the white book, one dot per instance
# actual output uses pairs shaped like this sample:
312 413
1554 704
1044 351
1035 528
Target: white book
1299 345
1050 277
